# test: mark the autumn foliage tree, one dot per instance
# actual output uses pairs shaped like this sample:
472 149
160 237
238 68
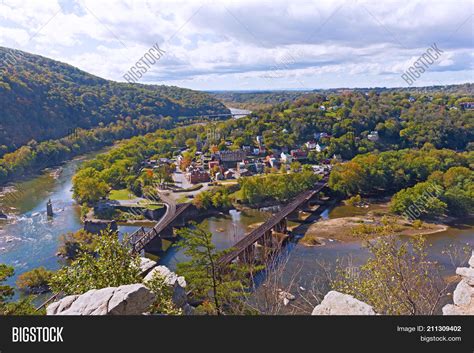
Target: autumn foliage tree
88 187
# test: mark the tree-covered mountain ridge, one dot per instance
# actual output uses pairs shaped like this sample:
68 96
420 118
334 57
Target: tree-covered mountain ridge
43 99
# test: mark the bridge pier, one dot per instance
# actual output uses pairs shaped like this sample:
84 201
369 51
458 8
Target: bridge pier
154 246
282 226
248 255
266 244
167 232
271 235
294 216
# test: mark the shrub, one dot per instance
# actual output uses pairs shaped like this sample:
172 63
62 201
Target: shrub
109 264
397 279
72 243
354 200
35 281
163 303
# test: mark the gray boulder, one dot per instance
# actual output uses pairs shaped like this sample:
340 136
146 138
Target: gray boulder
463 296
467 274
169 276
146 265
175 282
132 299
335 303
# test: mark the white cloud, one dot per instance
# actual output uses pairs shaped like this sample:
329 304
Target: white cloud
239 44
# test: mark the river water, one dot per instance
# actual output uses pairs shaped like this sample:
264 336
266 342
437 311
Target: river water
306 261
239 111
226 229
30 239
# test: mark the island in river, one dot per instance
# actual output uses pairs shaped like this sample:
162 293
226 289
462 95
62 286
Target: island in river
351 223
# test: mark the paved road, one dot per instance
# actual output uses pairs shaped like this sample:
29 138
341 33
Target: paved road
182 183
169 201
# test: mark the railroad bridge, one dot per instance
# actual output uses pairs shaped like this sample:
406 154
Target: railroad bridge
264 236
151 240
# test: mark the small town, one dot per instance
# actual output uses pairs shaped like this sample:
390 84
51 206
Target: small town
250 160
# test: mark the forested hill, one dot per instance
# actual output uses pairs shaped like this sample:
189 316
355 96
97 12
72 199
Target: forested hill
44 99
255 100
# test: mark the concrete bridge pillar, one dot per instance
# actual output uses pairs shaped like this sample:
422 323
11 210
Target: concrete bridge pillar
154 246
167 232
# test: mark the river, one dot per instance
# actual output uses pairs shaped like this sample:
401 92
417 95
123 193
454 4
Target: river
306 261
239 111
226 229
29 238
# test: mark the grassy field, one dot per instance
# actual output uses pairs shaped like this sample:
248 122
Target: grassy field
151 206
123 194
183 199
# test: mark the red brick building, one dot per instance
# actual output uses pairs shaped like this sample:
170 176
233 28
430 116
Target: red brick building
195 176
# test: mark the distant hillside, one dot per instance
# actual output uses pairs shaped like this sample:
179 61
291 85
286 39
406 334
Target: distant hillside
461 89
44 99
258 99
255 100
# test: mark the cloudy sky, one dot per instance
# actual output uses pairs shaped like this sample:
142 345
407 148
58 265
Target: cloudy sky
213 45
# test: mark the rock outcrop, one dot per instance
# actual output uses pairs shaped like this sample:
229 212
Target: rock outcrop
335 303
95 226
146 265
132 299
463 296
175 282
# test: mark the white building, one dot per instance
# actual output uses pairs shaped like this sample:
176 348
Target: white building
373 136
286 158
311 145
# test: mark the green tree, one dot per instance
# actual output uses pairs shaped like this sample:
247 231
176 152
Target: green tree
221 290
163 173
88 186
295 166
421 200
23 306
347 178
163 303
72 243
35 281
110 265
203 200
